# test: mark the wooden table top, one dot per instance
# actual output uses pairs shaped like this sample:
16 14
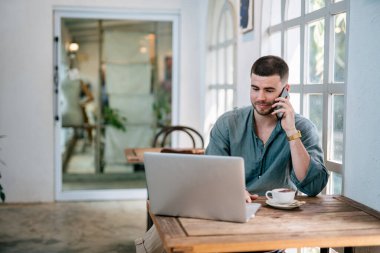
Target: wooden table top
136 155
323 221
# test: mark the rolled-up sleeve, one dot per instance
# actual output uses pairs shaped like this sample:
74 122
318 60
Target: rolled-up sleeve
317 174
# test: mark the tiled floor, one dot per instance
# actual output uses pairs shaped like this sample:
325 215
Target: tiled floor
68 227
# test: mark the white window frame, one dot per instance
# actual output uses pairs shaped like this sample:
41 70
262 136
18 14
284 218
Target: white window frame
214 46
130 14
327 88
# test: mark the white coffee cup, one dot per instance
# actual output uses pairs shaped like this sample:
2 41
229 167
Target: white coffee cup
281 195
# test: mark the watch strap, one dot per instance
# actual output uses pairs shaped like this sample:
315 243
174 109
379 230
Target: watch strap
294 136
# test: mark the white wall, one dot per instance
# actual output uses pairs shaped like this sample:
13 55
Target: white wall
26 86
248 45
362 152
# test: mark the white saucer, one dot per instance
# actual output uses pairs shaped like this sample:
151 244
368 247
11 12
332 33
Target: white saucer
292 205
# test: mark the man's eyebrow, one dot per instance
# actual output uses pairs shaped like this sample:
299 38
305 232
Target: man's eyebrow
266 88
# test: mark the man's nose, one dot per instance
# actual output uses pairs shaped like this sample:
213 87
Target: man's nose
260 95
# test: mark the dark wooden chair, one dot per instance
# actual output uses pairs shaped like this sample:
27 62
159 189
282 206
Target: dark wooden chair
161 138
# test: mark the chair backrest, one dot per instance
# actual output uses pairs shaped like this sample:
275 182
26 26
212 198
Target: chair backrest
162 136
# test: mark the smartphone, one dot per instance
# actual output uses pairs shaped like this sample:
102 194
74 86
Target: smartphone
284 94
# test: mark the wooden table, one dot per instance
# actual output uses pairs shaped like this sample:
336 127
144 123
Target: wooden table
136 155
324 221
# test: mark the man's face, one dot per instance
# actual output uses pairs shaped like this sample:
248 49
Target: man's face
264 90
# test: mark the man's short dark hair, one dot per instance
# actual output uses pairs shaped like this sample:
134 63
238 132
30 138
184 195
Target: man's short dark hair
271 65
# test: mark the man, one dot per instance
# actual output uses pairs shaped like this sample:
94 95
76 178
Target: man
278 151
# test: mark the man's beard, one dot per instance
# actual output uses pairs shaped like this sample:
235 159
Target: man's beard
261 112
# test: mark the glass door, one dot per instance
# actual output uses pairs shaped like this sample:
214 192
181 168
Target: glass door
114 91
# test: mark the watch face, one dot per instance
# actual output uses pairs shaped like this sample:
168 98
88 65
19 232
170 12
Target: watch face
295 136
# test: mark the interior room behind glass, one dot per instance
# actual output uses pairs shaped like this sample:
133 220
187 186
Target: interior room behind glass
114 93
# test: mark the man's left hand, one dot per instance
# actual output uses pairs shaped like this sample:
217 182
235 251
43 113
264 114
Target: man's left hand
250 197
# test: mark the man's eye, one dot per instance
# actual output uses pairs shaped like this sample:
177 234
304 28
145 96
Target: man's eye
254 88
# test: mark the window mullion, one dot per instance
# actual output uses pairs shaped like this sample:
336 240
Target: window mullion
302 55
291 23
338 88
338 7
333 166
315 15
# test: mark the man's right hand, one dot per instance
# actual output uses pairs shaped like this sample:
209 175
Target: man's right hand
250 197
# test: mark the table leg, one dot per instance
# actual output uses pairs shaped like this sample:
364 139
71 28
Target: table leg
348 250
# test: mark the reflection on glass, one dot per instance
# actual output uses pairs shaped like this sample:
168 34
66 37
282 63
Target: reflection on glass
313 5
315 42
315 112
130 83
293 9
276 13
339 47
292 54
275 44
295 101
337 128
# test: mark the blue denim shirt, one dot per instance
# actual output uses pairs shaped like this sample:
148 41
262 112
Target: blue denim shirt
268 166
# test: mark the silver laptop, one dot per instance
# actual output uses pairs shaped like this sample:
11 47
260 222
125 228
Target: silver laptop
198 186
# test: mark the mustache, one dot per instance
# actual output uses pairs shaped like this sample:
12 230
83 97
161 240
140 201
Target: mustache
261 103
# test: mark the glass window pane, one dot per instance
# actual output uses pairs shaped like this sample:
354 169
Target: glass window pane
292 54
315 111
230 65
275 17
221 102
293 9
222 29
213 67
315 51
221 66
337 128
339 47
336 183
295 101
213 112
275 44
229 25
313 5
230 100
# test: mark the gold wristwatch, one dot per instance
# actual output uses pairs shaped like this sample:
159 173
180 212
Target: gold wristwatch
294 136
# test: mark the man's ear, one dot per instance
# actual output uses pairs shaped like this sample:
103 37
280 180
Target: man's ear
287 87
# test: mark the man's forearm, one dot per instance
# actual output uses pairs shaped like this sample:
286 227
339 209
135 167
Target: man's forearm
300 158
